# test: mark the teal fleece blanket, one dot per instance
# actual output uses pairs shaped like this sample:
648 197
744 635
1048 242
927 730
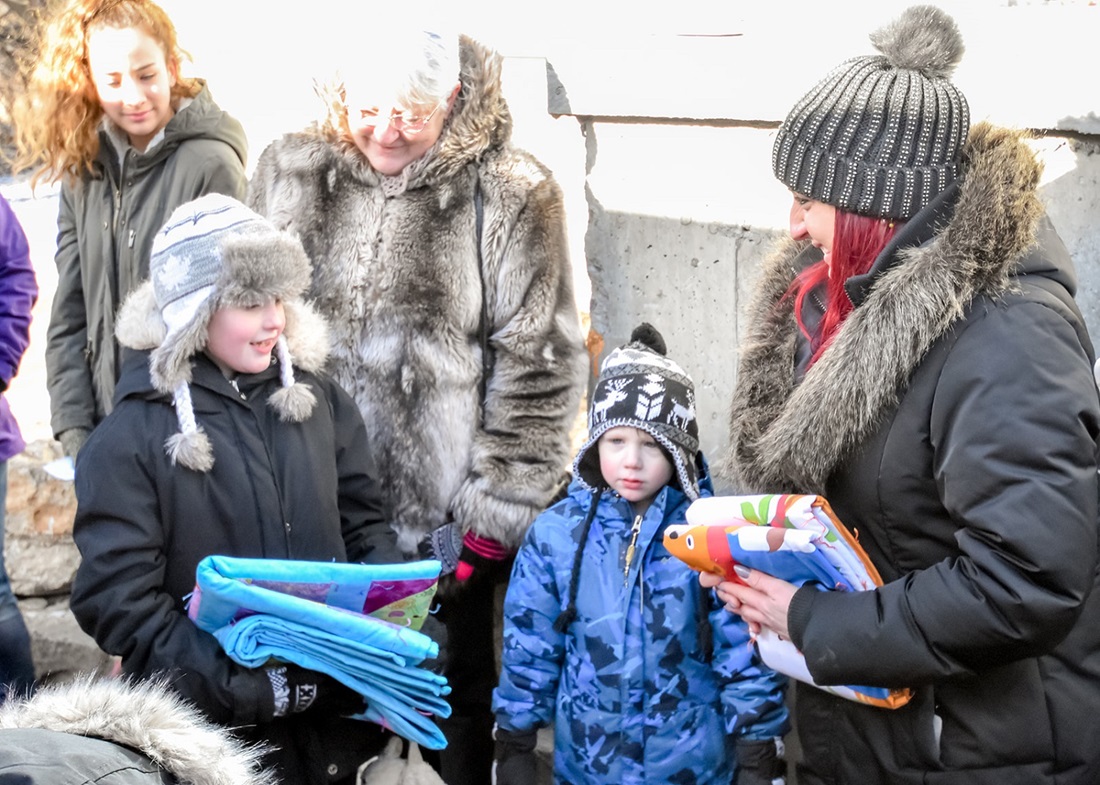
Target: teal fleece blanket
356 622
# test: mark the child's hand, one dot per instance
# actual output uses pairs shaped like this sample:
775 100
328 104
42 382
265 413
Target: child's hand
760 762
514 760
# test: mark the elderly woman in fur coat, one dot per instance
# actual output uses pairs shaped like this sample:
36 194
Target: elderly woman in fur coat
440 260
927 306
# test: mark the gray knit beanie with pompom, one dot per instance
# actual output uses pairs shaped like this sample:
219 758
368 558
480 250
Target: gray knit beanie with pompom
881 134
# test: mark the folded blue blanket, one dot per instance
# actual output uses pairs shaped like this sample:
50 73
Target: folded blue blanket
312 614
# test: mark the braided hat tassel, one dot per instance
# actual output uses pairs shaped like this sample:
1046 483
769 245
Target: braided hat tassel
294 401
190 447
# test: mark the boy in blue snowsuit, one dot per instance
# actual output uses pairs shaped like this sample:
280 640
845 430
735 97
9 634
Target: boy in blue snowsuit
644 675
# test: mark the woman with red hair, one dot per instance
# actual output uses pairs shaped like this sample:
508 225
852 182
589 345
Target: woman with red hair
916 356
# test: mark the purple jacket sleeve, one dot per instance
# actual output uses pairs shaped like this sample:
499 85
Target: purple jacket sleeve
18 293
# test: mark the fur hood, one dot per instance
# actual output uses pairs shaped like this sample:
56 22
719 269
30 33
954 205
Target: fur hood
146 717
778 440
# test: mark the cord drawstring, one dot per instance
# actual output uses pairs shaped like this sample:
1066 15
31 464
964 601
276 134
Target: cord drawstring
561 624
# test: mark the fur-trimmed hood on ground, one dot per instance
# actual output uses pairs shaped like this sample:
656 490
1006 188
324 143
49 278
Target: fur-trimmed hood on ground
146 717
778 438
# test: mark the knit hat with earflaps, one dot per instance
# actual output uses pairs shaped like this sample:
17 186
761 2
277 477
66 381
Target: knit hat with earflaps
212 253
882 134
640 387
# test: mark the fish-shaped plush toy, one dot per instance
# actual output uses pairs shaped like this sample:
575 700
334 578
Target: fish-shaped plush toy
795 537
703 548
792 537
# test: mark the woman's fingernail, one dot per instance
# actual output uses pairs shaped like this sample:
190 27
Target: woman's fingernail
741 571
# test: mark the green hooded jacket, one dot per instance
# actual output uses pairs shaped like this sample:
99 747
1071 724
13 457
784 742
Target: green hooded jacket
106 224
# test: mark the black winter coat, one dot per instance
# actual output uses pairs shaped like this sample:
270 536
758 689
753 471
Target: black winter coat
277 490
961 446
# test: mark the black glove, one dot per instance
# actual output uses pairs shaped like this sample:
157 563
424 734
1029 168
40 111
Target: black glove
514 761
296 689
760 762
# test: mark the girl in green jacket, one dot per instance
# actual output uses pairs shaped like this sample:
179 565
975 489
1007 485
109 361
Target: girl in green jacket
109 115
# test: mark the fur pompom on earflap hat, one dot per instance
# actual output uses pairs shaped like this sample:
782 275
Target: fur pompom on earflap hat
640 387
212 253
882 134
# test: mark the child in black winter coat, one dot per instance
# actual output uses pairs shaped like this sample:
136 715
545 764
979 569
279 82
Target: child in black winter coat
226 439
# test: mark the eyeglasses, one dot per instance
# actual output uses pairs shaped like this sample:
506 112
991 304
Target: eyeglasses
406 122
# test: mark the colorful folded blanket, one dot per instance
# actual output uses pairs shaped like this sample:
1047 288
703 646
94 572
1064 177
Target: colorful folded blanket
795 537
356 622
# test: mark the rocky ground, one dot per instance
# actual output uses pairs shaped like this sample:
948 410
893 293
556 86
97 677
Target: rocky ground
41 560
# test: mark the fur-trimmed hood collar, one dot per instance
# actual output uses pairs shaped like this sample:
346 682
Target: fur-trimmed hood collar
479 121
778 439
146 717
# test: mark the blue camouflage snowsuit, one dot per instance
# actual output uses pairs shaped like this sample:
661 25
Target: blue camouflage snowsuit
629 690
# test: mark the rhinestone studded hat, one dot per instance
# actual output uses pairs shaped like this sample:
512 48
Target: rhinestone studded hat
881 134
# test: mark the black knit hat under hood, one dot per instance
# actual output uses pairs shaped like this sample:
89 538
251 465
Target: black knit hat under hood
640 387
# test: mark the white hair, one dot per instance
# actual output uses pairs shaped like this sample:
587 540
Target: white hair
416 68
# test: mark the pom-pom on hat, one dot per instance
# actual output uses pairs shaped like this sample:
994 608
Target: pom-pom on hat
881 134
640 387
214 252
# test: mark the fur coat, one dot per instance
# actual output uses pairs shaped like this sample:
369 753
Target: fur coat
960 444
398 275
61 734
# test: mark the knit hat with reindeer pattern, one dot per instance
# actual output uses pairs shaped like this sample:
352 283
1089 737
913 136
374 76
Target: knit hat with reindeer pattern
640 387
